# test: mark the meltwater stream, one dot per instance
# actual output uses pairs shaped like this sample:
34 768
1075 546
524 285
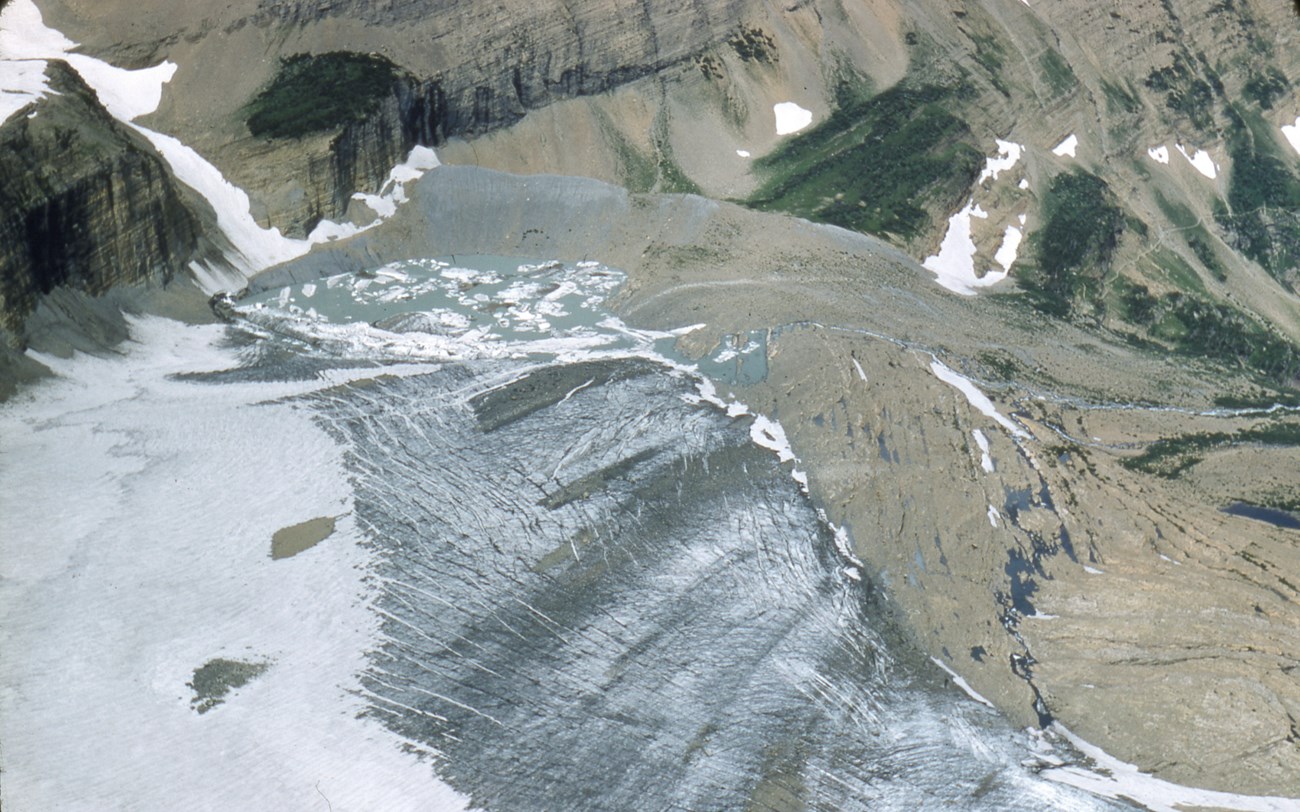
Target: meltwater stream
596 591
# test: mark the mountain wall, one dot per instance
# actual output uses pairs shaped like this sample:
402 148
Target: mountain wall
86 204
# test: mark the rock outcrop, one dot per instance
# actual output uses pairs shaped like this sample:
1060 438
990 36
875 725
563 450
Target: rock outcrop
86 204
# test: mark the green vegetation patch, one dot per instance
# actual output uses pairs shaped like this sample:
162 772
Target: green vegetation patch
1197 236
1186 93
1266 86
1262 216
874 163
1082 226
754 45
1171 456
1199 328
1060 78
313 93
1121 99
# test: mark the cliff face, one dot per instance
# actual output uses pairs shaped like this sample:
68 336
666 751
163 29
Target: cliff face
469 68
86 203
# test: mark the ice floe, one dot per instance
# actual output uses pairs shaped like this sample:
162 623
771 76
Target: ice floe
790 118
1201 161
1066 147
1159 154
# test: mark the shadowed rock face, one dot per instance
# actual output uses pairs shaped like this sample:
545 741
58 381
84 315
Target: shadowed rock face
85 203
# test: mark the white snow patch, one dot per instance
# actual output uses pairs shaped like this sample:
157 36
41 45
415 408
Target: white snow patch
977 399
842 542
1008 155
800 477
767 433
1201 161
1010 247
258 247
994 516
1066 147
1291 132
790 117
1120 780
21 83
1092 570
986 461
954 265
126 94
737 409
962 683
1159 154
1024 183
109 605
744 153
858 367
1022 218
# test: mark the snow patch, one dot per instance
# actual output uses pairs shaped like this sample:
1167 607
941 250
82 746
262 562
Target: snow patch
858 367
1117 779
1024 183
994 516
1066 147
1201 161
962 683
124 594
1291 132
954 265
1010 247
767 433
790 117
986 461
257 247
977 399
1159 154
1092 570
744 153
1008 156
22 82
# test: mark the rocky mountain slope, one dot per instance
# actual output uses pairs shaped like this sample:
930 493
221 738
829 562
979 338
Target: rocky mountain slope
86 203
